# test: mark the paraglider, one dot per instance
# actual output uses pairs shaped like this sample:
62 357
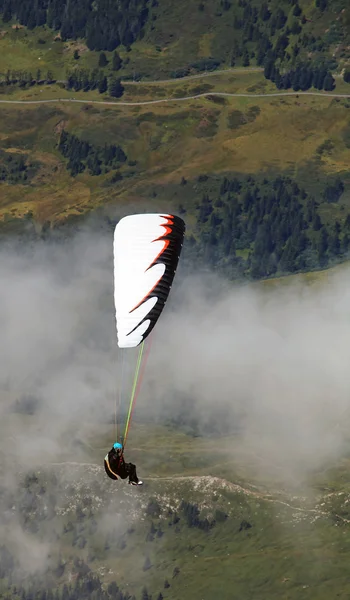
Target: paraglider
116 467
147 248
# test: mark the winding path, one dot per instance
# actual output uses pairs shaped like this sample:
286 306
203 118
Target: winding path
183 99
234 487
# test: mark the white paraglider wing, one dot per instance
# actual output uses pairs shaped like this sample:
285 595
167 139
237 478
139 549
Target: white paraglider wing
146 253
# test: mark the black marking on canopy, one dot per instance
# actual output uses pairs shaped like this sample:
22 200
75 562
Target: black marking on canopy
170 258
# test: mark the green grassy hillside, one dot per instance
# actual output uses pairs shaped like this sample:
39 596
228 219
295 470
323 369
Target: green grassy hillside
162 39
177 140
203 524
178 155
167 141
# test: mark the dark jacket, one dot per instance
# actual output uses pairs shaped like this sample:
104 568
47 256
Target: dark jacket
115 465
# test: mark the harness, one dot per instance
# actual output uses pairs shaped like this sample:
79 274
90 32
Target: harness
109 467
121 459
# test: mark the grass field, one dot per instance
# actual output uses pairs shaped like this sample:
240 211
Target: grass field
296 547
165 142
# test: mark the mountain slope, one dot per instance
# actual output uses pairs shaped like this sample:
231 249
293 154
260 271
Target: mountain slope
151 43
180 536
223 162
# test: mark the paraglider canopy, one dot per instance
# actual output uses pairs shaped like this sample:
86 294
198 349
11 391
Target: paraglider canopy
146 254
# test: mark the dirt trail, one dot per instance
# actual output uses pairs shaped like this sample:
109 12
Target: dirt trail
218 482
167 100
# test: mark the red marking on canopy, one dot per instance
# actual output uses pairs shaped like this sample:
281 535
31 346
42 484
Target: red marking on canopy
168 230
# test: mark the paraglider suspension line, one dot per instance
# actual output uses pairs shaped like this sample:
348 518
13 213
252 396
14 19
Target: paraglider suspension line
136 385
118 398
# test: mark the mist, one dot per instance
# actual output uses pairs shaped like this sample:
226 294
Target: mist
277 357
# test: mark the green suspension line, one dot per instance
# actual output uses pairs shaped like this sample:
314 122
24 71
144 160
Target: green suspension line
137 371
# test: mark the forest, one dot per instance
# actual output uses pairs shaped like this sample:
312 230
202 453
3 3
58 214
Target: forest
246 227
105 25
15 168
265 40
303 77
259 228
83 155
82 79
294 52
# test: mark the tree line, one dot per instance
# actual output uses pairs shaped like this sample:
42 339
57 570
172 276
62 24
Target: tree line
258 229
192 516
85 80
105 25
83 155
27 78
278 39
77 79
303 77
15 168
264 37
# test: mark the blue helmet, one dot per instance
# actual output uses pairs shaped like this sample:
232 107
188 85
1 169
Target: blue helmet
117 446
